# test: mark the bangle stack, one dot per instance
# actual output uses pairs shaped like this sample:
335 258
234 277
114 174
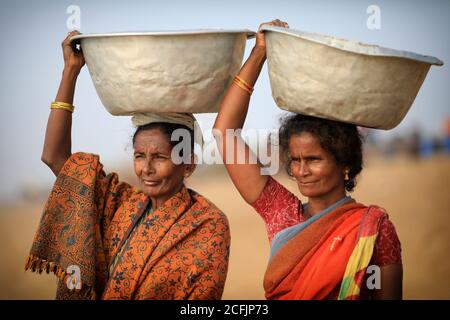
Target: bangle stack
241 83
62 105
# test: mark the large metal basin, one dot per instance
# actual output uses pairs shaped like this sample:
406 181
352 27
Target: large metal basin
185 71
343 80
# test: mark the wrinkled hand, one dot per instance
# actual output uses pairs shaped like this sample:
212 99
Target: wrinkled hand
73 59
260 40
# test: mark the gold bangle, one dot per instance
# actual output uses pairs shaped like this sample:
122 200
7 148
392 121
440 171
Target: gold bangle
65 104
62 105
62 108
245 83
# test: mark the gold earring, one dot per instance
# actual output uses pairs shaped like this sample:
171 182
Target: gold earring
346 178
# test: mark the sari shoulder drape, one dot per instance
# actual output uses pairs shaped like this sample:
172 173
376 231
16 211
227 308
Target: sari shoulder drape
70 234
180 251
313 264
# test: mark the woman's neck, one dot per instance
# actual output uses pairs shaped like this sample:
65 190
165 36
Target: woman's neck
161 199
318 204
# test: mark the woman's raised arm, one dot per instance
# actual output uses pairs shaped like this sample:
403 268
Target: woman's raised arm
58 140
246 177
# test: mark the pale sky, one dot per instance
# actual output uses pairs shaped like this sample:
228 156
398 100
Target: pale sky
31 64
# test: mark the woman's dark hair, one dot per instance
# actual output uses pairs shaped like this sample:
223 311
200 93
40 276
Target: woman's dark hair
167 129
342 140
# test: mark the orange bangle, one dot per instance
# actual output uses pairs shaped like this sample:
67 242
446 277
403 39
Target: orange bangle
240 85
249 87
243 84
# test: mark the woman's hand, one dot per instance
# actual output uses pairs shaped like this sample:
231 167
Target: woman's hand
260 40
73 59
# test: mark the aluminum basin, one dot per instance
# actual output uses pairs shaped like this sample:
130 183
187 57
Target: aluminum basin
183 71
343 80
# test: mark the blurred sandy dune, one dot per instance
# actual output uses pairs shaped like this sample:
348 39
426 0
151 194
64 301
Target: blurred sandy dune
415 194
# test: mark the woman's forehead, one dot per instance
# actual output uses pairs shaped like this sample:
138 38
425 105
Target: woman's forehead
304 142
152 139
305 139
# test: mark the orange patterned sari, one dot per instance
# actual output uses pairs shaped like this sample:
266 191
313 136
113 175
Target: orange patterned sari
179 251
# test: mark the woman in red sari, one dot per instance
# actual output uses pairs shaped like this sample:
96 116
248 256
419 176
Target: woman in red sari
106 239
331 247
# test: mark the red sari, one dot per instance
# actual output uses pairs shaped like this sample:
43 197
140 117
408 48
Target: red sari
314 263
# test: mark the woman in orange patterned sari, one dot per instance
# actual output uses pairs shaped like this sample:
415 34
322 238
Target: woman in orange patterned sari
106 239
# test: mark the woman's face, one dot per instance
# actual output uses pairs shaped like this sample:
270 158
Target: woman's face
159 177
316 171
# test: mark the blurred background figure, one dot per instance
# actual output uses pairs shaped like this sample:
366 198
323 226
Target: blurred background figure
414 143
446 131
